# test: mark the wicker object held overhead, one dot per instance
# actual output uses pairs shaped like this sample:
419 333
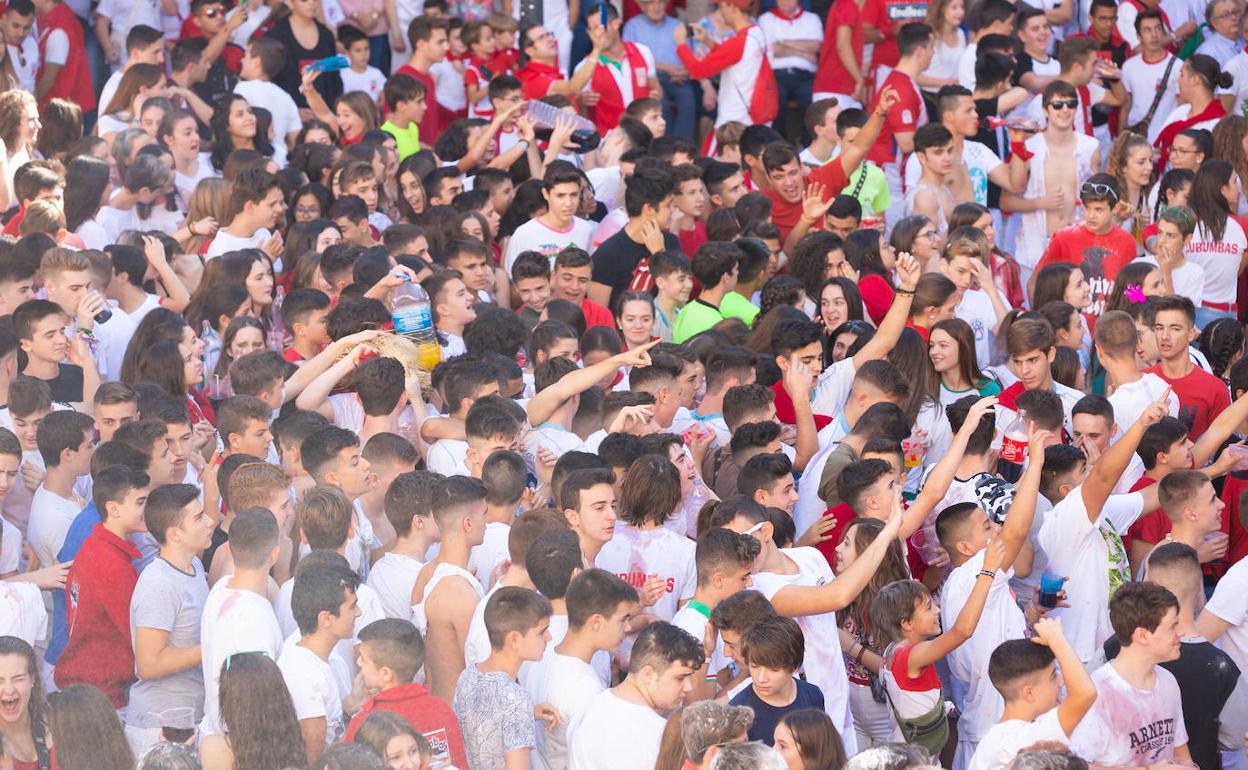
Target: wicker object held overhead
402 350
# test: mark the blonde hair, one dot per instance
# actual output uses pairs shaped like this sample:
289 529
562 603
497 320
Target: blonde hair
936 15
252 485
61 260
212 197
729 133
42 216
13 104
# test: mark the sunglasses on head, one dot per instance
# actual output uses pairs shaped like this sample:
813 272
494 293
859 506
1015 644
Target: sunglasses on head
1064 104
1099 190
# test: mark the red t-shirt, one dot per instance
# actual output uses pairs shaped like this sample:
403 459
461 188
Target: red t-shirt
844 516
887 16
832 75
232 55
1201 398
905 116
430 124
596 315
536 78
1099 256
1233 490
97 593
690 240
428 713
877 296
504 61
293 356
785 215
1152 526
923 332
787 415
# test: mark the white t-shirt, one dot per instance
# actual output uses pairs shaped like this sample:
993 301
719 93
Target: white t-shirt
1141 80
25 65
92 235
1238 69
694 623
613 734
824 663
485 558
448 456
223 242
262 93
449 88
370 81
22 612
1132 398
233 621
976 309
549 436
116 221
634 554
570 685
313 688
979 160
805 26
1219 257
50 517
186 184
125 15
1092 557
1130 727
966 67
1001 619
10 548
393 576
111 338
536 235
1188 279
1005 739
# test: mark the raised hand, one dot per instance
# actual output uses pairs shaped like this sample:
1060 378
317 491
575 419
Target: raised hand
636 356
994 555
1048 630
819 532
1155 411
814 207
1036 441
908 271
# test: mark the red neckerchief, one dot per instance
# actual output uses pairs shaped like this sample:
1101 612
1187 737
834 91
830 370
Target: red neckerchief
1213 111
781 14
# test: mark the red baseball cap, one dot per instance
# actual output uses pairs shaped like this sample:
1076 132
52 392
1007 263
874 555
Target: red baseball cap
742 4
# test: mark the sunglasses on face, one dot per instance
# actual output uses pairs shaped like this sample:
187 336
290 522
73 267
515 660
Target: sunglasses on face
1064 104
213 13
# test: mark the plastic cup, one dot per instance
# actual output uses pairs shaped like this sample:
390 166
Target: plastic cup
1050 587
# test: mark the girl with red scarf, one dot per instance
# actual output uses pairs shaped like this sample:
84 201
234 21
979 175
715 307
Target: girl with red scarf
1198 108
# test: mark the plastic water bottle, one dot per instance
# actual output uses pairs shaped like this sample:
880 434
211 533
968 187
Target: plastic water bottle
277 331
1013 450
545 117
413 318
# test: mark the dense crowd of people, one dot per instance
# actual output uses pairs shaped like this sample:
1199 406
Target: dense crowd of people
849 385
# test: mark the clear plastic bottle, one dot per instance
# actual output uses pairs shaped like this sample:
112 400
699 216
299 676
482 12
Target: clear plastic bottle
413 318
545 117
277 331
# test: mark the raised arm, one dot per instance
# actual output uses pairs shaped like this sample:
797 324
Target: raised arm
1220 430
942 475
1080 691
928 652
1106 472
313 368
544 404
885 339
797 601
1022 510
853 152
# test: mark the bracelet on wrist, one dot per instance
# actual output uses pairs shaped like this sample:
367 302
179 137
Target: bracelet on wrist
988 572
905 292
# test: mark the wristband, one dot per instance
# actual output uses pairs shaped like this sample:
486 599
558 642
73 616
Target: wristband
1020 149
987 572
906 292
862 650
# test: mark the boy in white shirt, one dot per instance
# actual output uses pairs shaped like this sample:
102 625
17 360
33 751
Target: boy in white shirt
408 507
463 384
238 616
1137 719
600 606
258 196
506 479
1116 340
359 76
559 227
963 262
965 532
452 310
1025 673
324 605
1082 535
264 61
621 728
